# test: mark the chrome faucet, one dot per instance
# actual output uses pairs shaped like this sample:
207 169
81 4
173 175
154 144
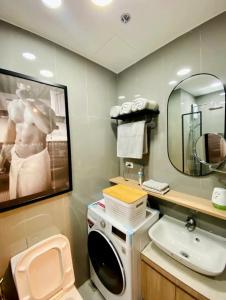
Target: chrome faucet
190 223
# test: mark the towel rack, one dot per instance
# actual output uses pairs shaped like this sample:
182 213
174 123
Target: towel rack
145 114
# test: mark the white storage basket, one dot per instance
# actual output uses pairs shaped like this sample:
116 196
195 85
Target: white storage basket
129 214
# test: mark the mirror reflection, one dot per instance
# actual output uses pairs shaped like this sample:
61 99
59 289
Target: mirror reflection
196 107
211 149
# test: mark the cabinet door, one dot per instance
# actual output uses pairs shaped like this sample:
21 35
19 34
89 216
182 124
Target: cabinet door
181 295
155 286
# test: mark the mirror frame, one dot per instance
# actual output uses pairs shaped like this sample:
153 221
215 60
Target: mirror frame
224 134
216 165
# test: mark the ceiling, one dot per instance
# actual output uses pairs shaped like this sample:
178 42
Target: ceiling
97 32
200 85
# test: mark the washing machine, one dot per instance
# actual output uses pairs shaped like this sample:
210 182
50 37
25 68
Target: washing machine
114 253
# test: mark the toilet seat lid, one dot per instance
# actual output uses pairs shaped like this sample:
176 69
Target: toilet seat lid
45 269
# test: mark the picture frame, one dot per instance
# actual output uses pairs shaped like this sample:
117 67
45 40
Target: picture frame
35 148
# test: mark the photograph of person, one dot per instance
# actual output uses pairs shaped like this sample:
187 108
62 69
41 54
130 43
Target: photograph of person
33 140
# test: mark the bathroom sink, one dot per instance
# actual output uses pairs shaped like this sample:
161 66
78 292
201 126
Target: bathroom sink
199 250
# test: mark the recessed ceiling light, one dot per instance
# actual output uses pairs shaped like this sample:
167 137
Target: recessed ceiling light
121 97
29 56
172 82
46 73
102 2
183 71
137 95
52 3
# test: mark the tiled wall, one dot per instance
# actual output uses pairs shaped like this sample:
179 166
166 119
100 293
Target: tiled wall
202 50
91 92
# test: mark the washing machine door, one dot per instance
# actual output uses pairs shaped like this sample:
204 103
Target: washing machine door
106 262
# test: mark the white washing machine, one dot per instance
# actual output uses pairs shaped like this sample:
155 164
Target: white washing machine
114 253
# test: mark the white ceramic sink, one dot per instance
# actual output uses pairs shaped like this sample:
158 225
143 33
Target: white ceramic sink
199 250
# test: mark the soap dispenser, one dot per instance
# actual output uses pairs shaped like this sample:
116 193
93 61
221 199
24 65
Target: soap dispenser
219 198
140 176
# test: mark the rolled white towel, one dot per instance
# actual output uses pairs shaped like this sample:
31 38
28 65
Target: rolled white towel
126 108
115 111
142 103
134 106
137 102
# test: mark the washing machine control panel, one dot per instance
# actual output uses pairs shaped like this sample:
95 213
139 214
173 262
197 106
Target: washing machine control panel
118 233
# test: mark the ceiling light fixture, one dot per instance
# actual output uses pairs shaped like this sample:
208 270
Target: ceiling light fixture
137 95
52 3
184 71
101 2
172 82
46 73
121 97
28 55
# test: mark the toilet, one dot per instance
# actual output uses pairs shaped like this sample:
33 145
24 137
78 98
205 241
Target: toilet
45 271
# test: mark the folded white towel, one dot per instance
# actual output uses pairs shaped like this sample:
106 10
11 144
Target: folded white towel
132 140
143 103
115 111
152 184
156 191
126 108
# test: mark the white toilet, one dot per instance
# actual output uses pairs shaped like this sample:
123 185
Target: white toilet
45 271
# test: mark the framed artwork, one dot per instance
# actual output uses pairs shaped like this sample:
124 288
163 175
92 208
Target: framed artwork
35 157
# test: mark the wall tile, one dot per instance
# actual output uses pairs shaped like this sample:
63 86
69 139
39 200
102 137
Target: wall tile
213 47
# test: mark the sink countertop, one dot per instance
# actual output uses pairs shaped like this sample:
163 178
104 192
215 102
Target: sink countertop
213 288
200 250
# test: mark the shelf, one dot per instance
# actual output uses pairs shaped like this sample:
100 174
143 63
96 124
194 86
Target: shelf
138 115
196 203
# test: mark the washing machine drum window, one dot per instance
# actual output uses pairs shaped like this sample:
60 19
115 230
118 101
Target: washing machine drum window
106 262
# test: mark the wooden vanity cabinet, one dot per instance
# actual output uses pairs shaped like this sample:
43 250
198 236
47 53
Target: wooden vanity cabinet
157 284
181 295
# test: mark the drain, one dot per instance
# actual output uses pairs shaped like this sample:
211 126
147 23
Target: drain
184 254
197 239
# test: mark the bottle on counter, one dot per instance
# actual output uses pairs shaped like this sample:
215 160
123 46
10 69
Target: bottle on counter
140 176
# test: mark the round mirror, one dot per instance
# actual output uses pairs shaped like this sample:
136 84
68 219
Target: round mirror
211 149
196 107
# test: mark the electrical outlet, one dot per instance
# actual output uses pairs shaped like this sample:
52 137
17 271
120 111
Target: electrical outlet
129 164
